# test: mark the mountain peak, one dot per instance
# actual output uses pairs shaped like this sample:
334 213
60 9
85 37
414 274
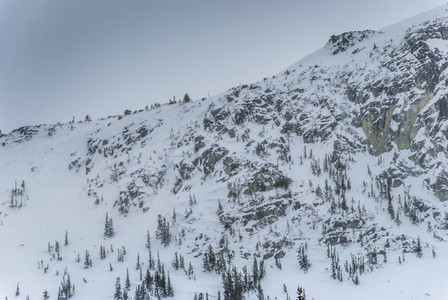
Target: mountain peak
327 172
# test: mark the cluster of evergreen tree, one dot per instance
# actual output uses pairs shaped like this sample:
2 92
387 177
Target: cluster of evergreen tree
109 227
316 170
17 194
54 251
336 271
372 258
211 261
158 285
163 231
121 253
87 260
235 283
201 296
301 293
102 252
302 257
178 262
355 267
418 248
66 290
412 208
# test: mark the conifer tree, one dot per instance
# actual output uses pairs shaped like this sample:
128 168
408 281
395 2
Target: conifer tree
262 269
181 262
163 231
166 237
205 262
260 293
302 257
127 283
190 271
255 274
170 290
148 240
118 295
175 262
227 283
301 293
174 216
102 252
418 249
108 227
151 263
149 280
187 98
137 266
111 228
87 260
17 290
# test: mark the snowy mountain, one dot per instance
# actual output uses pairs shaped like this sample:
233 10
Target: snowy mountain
331 176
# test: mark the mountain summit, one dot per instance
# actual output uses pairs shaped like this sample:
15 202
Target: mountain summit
330 174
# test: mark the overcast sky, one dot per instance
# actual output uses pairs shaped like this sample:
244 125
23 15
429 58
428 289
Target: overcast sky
60 59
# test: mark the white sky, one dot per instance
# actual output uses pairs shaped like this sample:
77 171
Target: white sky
60 59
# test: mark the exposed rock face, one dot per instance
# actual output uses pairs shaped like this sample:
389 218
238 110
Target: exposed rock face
402 102
390 106
342 42
209 158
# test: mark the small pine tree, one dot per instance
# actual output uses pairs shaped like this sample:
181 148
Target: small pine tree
17 290
108 227
174 216
66 238
301 293
302 257
205 262
181 262
175 262
169 288
190 271
255 273
260 293
148 240
118 294
137 266
87 260
187 98
418 249
127 283
111 228
261 269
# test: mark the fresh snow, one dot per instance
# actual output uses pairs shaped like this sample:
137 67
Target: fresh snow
56 199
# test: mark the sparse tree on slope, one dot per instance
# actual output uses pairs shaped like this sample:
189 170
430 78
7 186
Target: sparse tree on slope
118 295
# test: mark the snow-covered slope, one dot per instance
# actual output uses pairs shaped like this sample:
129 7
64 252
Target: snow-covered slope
332 174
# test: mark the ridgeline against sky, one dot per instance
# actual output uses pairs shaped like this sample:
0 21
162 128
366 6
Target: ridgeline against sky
62 59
